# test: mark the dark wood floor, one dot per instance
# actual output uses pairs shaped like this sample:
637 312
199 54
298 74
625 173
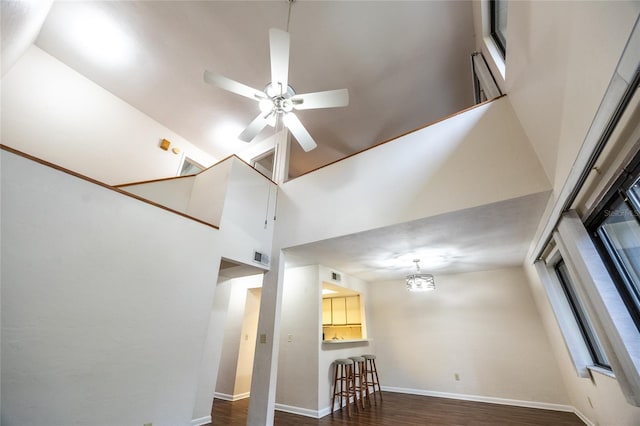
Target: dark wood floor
409 410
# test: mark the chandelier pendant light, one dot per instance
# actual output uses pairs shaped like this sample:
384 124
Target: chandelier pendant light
419 281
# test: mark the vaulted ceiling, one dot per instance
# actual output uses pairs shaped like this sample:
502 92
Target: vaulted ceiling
405 64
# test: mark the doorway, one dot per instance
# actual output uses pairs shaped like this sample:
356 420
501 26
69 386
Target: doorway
264 163
239 339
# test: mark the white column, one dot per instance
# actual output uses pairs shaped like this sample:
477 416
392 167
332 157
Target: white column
265 365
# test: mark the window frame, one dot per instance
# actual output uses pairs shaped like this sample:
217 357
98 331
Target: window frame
618 193
496 34
581 317
612 321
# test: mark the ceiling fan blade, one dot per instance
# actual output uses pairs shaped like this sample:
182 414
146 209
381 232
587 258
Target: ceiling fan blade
299 132
255 127
233 86
328 99
279 48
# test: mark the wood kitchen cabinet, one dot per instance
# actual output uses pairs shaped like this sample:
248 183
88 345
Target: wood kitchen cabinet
326 312
341 319
341 310
338 311
352 306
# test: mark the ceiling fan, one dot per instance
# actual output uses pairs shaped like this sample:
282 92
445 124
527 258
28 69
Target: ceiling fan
278 99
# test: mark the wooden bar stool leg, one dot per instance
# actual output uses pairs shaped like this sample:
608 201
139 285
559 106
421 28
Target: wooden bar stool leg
343 384
375 370
359 379
365 384
342 381
349 379
354 388
335 387
372 372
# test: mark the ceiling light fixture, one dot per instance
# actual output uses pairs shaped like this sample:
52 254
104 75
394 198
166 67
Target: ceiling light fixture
278 99
419 281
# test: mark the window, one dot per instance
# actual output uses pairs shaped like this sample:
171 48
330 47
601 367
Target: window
580 314
498 22
615 230
484 85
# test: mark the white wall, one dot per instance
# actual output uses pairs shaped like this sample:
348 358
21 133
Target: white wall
247 221
600 400
52 112
208 192
482 325
104 308
472 159
172 193
231 195
561 56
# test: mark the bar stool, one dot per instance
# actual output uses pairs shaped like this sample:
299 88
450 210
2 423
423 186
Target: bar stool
343 383
360 379
372 379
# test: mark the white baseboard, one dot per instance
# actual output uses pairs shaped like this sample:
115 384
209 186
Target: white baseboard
201 421
317 414
324 412
299 411
227 397
489 399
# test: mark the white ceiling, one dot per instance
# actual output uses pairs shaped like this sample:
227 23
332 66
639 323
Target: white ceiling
405 64
482 238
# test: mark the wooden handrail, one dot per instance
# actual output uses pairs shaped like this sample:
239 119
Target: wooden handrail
195 174
102 184
142 182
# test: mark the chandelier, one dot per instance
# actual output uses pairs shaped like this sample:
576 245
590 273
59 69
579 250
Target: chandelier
420 282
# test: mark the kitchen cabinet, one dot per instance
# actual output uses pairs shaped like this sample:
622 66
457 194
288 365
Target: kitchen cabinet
341 319
352 306
341 310
338 311
326 312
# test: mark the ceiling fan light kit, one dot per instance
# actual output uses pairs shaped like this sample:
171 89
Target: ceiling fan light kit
278 99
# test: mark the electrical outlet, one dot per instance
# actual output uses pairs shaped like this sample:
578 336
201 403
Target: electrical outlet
246 337
456 376
290 338
263 338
